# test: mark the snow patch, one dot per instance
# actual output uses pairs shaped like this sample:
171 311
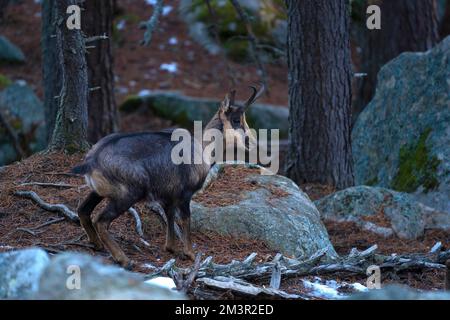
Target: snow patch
121 25
166 10
329 289
143 93
322 290
169 67
173 41
164 282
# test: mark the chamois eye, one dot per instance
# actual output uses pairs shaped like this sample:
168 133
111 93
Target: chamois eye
235 120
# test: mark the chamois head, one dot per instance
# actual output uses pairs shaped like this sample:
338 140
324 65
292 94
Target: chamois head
230 120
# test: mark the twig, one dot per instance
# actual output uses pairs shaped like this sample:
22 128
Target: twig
56 220
137 220
95 38
151 24
48 184
59 208
33 233
252 40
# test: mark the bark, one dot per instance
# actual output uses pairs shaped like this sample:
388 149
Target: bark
319 93
70 132
445 22
51 75
103 116
406 25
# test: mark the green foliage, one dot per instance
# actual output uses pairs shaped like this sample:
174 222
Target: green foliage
416 166
4 81
232 31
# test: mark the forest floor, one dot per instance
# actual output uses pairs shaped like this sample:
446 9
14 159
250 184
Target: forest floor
21 226
136 67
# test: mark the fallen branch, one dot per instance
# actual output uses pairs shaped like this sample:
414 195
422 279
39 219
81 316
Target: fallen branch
215 31
252 40
245 289
151 24
182 284
217 279
59 208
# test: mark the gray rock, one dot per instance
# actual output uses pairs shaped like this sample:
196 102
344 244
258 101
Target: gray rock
184 110
10 52
290 224
97 281
20 272
25 113
397 292
408 218
401 139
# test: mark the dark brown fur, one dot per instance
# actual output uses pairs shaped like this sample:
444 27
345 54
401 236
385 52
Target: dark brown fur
127 168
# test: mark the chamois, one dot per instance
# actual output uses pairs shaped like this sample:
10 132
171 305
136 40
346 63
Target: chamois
128 168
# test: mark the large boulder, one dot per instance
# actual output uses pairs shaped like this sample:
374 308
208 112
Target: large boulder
401 139
97 281
32 274
184 110
397 292
10 52
382 211
237 200
20 272
24 112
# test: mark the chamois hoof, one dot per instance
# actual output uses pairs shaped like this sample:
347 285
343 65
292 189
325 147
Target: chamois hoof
169 248
98 246
189 254
127 264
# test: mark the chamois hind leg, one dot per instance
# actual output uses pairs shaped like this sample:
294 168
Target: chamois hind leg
170 229
84 213
101 223
186 226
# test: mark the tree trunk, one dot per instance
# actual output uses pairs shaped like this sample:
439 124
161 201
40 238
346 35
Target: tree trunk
51 75
445 22
319 92
406 25
70 132
103 116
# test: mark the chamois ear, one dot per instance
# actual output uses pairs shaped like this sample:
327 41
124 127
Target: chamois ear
228 101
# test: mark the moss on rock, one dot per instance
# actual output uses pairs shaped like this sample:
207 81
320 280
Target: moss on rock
131 103
4 81
416 166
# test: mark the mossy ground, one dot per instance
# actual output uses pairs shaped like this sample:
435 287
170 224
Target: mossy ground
416 166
